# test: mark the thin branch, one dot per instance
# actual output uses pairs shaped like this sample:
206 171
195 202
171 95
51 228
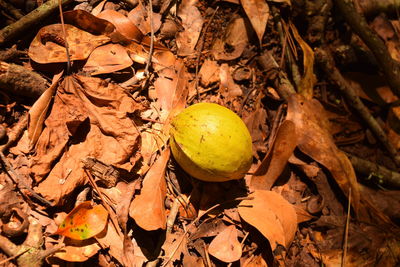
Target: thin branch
358 23
328 65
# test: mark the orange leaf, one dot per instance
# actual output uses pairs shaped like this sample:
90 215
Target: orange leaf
315 140
275 161
271 215
123 25
258 13
147 209
107 58
49 44
225 246
308 79
84 221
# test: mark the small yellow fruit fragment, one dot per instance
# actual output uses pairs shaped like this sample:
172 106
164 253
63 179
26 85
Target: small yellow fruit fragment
211 143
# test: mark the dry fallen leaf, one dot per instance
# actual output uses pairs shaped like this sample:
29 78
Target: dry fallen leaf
258 13
148 209
192 22
275 161
308 79
107 58
139 17
271 215
209 72
78 250
49 44
84 221
225 246
315 140
38 112
93 116
228 88
122 24
235 38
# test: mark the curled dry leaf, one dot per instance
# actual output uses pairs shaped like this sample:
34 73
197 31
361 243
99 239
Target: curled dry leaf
122 24
308 79
226 246
92 115
78 250
88 22
258 13
271 215
192 22
49 44
275 161
107 58
315 140
235 37
38 112
148 209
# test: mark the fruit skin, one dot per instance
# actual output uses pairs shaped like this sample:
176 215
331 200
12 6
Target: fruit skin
211 143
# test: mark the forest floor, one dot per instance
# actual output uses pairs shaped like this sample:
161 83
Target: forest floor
87 102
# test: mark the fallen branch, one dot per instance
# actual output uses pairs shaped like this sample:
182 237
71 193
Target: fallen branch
12 31
18 80
327 63
357 22
386 177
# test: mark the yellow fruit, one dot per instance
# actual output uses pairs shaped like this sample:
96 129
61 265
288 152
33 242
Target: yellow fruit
211 143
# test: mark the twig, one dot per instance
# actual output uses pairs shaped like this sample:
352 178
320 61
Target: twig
346 235
14 256
16 132
358 23
18 181
195 221
12 31
105 204
65 37
146 70
386 176
327 63
11 9
196 85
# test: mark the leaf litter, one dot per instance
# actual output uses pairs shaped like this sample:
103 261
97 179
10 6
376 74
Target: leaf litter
155 213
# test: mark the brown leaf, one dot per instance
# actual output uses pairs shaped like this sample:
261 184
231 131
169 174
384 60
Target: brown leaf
225 246
38 112
93 116
209 72
256 122
107 58
192 21
315 141
147 209
275 161
78 250
171 88
139 17
258 13
235 37
228 88
88 22
308 79
271 215
49 44
122 24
